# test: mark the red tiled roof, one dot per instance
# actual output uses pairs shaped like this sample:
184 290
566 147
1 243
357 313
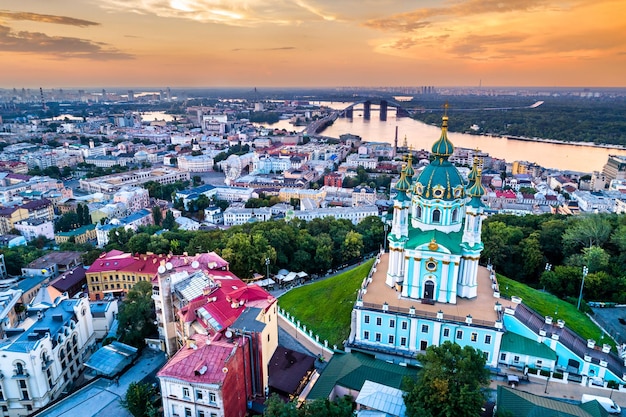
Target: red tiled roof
202 364
116 260
505 194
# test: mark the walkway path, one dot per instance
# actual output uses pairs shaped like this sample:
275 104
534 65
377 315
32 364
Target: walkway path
561 391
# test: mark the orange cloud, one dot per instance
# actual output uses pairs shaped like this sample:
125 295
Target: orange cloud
56 46
46 18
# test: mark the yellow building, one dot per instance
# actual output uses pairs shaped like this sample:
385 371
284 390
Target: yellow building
83 234
9 216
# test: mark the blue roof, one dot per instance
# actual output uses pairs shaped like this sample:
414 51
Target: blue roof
52 321
198 190
135 216
29 283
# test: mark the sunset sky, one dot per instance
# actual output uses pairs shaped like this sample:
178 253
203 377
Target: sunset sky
212 43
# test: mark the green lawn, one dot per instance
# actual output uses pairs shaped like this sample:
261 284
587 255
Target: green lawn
325 306
549 305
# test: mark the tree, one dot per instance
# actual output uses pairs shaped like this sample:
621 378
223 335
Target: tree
136 316
169 222
449 384
587 231
352 246
341 407
139 243
139 400
157 215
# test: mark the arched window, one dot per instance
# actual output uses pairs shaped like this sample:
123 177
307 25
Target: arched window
19 368
436 216
418 212
455 215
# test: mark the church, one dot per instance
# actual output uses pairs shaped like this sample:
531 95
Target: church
429 288
435 240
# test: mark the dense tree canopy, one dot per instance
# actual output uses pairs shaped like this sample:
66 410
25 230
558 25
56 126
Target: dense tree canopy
139 400
341 407
136 316
450 383
313 247
522 247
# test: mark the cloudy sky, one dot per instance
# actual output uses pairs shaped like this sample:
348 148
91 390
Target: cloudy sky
205 43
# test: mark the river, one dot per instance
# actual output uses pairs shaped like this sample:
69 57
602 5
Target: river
422 136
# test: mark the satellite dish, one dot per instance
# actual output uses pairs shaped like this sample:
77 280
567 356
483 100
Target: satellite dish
169 266
195 264
229 334
161 269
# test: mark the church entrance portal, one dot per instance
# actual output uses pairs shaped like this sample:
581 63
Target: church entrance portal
429 290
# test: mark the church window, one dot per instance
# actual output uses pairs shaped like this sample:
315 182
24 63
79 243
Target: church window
366 319
459 334
366 335
392 323
446 332
405 325
403 341
487 339
474 337
455 215
379 321
424 328
431 265
418 212
378 337
438 192
457 192
391 339
436 216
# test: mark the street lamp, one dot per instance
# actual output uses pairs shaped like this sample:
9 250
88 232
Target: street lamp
386 227
548 269
582 284
267 266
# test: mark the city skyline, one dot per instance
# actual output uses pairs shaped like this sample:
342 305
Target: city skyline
183 43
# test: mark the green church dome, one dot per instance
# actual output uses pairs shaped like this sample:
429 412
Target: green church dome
440 180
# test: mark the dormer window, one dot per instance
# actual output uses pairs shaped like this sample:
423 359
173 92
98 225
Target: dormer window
438 191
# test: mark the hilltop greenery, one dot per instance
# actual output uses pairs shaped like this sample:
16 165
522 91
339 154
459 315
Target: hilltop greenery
522 247
328 304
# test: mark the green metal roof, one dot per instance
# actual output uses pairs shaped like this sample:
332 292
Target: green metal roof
515 343
524 404
451 241
351 370
77 232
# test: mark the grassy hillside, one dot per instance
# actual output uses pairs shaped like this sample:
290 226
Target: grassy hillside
325 306
549 305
